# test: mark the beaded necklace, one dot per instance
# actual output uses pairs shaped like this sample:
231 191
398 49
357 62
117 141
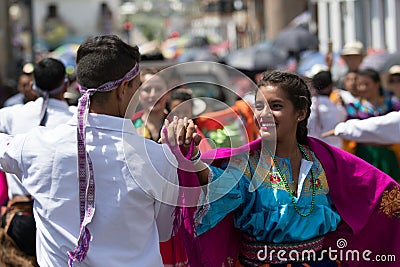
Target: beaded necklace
288 188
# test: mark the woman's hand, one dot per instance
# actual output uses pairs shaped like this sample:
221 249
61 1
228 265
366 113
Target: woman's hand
180 132
183 132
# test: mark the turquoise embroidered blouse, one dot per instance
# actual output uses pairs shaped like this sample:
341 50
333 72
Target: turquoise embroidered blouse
267 213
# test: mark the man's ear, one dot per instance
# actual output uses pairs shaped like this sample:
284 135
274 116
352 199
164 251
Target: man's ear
30 89
121 90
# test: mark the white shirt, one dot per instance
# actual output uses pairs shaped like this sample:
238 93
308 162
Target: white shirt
347 97
22 118
325 115
381 129
129 173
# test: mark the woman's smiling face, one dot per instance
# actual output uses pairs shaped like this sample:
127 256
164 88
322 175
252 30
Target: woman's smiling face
153 93
274 109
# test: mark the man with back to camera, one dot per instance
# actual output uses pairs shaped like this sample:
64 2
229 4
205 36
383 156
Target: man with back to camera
324 113
97 184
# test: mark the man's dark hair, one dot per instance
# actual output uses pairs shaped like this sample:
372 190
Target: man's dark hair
103 59
322 80
49 74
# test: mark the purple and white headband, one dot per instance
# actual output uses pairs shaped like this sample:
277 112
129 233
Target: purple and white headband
113 84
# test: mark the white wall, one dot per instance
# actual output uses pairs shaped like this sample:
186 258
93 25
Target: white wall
80 15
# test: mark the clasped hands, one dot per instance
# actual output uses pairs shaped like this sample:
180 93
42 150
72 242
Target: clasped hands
180 132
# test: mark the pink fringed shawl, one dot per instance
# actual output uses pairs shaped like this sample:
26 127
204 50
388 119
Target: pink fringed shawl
367 200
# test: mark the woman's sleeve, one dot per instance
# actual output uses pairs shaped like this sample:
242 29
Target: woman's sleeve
225 193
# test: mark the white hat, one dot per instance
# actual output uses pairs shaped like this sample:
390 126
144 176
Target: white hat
317 68
395 69
353 48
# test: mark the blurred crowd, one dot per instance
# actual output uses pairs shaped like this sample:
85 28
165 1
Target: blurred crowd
344 86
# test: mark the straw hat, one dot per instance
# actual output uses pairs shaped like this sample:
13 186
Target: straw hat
353 48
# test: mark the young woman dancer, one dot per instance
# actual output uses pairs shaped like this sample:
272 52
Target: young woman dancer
262 208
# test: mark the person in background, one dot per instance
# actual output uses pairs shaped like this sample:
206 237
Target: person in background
153 97
347 95
103 195
55 29
182 104
393 85
324 113
383 130
72 94
348 92
50 110
6 92
188 105
24 87
106 19
373 102
353 54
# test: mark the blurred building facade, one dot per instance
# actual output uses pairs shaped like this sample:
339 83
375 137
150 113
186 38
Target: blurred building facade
242 22
245 22
373 22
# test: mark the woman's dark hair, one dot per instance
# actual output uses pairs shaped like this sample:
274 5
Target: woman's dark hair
298 93
374 75
49 73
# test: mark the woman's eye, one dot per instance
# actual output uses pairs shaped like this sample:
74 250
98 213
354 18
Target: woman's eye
146 89
259 106
276 106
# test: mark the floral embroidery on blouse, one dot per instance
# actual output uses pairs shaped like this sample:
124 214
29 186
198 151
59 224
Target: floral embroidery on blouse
390 204
272 179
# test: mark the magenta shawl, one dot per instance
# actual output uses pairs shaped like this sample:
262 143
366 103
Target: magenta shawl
3 188
367 199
